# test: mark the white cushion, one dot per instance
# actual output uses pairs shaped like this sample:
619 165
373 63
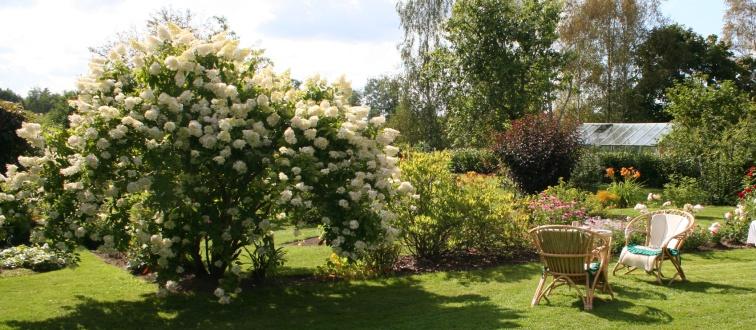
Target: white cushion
751 233
664 226
636 260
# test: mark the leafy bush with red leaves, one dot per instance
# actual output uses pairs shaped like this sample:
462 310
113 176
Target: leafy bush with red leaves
538 150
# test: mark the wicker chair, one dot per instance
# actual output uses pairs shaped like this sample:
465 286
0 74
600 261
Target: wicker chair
665 231
572 256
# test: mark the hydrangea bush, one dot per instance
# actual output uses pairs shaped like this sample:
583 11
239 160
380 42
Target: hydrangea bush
193 149
39 259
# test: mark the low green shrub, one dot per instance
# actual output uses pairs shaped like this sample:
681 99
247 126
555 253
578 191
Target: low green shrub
733 231
492 221
698 238
588 171
375 262
39 259
473 160
680 166
342 267
428 219
450 213
683 189
721 179
381 260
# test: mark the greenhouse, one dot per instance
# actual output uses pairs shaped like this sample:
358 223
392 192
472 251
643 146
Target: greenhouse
638 137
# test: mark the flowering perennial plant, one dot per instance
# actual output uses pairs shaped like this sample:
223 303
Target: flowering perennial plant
192 149
35 258
626 188
550 209
735 228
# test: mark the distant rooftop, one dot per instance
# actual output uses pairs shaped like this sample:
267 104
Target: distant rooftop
621 134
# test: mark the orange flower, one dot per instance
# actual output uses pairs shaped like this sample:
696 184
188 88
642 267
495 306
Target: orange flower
610 172
629 172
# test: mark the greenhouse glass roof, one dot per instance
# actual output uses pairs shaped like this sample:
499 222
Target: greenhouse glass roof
619 134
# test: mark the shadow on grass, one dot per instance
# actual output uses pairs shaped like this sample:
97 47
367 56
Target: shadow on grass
619 310
503 274
396 303
634 293
709 287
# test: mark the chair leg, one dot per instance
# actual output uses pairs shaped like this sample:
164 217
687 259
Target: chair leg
630 270
676 262
616 268
589 291
658 276
606 287
546 292
538 292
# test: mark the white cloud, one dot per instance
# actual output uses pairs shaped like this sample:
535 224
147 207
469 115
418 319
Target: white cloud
357 60
45 43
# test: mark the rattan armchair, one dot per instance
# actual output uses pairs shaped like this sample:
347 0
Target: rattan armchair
664 231
573 256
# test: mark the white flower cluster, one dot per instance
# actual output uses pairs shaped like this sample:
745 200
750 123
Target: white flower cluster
205 138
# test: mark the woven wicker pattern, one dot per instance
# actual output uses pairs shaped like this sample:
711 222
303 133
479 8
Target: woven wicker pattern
672 241
567 253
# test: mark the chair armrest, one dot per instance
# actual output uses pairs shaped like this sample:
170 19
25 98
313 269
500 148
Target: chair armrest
679 237
629 228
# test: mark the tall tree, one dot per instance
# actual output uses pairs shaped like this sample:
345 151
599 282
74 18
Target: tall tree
381 94
10 96
601 36
422 22
740 26
40 100
670 54
713 128
54 106
505 64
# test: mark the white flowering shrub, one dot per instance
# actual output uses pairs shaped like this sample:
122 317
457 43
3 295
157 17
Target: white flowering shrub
193 149
39 259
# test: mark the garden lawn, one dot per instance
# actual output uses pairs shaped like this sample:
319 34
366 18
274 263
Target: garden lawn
704 218
96 295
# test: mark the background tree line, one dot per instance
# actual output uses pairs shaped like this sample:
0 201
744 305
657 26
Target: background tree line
470 67
50 108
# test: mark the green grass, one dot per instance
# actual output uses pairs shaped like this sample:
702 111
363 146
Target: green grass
100 296
286 235
704 218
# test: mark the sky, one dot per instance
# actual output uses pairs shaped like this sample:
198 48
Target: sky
45 43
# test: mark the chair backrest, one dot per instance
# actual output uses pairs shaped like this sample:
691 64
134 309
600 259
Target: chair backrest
563 249
664 225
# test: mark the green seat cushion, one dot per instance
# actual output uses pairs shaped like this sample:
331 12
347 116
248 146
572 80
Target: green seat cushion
647 251
594 267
